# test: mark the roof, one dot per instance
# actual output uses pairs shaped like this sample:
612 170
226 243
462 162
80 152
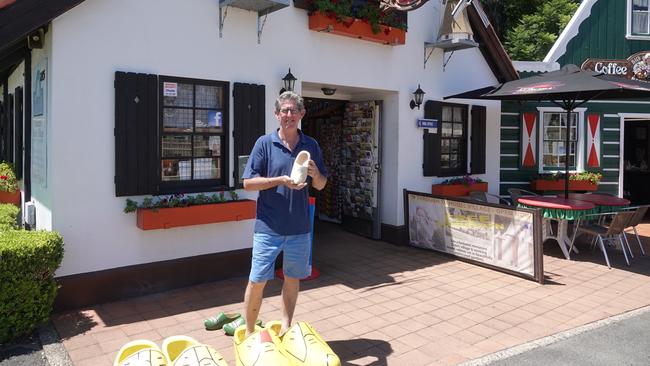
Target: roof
570 31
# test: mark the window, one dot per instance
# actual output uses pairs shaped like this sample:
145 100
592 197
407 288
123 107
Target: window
638 18
554 140
193 132
453 137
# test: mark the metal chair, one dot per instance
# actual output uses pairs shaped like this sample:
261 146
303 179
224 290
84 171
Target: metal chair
516 193
601 233
487 197
639 213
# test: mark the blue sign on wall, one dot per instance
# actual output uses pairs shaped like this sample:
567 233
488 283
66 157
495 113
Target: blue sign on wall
427 123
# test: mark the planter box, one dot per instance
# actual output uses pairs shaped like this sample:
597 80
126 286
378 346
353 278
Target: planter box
356 28
558 185
457 190
165 218
6 197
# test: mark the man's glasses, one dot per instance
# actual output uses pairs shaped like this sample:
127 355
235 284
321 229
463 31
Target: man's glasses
285 111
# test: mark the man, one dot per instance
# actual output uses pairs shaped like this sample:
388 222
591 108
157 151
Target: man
282 222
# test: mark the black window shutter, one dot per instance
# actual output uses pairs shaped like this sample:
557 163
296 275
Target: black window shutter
9 137
249 120
478 139
431 154
18 133
136 134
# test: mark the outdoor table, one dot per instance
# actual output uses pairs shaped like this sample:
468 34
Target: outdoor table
603 202
561 209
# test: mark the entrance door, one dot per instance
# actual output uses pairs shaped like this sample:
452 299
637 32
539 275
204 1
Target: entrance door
636 155
360 171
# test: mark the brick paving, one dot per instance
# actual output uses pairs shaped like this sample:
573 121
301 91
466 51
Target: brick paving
381 304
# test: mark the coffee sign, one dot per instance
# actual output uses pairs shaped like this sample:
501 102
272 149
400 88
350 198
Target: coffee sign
636 67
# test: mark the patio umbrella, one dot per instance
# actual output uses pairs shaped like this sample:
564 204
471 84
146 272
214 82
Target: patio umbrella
568 88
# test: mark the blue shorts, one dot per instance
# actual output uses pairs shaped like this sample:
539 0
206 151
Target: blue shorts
266 247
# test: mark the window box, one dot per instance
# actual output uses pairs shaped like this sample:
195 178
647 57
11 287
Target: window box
10 197
356 28
458 190
165 218
558 185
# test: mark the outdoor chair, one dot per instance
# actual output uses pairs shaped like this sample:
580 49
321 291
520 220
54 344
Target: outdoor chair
487 197
516 193
639 213
588 224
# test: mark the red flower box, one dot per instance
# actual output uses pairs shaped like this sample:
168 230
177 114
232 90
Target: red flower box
356 28
558 185
165 218
457 190
8 197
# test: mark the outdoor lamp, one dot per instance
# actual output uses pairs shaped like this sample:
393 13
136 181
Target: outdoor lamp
418 95
289 81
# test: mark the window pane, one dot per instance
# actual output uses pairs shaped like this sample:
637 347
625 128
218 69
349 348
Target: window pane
458 114
208 121
208 96
640 5
177 120
640 23
184 96
444 146
454 161
174 169
446 129
444 161
207 168
458 130
455 146
446 114
207 145
551 119
552 133
176 146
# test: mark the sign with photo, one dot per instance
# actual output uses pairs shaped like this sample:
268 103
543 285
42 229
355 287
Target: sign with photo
170 89
495 235
635 67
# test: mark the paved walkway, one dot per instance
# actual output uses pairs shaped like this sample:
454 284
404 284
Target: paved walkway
380 304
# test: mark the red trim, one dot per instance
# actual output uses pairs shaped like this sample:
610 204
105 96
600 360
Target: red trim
556 203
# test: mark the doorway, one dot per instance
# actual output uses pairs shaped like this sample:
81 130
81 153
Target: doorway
636 157
349 135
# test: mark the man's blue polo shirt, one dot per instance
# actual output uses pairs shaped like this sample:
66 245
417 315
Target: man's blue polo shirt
281 210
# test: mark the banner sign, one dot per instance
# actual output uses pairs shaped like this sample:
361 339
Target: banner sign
427 123
499 236
635 67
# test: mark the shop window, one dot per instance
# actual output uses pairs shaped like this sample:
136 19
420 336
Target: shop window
638 22
552 141
445 149
193 135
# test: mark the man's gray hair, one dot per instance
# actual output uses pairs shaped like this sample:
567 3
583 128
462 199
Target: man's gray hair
289 95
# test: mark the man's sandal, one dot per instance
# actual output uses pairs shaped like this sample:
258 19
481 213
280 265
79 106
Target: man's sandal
229 328
219 320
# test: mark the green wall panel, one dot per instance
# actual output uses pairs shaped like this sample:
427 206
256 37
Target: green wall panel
507 134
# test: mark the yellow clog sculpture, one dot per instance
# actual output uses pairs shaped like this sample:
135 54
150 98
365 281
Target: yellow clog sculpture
262 348
182 350
140 352
304 345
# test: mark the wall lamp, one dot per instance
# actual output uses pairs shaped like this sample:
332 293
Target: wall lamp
418 95
289 82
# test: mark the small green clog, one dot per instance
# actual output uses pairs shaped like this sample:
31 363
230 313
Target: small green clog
229 328
219 320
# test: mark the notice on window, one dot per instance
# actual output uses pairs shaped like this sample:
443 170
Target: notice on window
39 125
501 237
242 160
170 89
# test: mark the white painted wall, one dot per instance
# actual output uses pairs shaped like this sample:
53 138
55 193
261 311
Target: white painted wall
99 37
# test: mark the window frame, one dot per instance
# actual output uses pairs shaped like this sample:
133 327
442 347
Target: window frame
580 142
462 169
628 26
201 185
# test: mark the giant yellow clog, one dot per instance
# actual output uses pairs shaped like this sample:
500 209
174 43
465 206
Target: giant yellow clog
140 352
259 349
304 345
182 350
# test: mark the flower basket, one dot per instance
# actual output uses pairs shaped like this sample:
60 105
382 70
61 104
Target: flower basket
165 218
356 28
558 185
10 197
458 190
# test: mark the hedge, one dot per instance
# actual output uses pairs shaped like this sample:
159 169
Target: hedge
28 260
8 216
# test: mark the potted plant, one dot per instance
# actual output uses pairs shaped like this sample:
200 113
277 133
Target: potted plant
9 192
459 186
164 212
367 22
582 181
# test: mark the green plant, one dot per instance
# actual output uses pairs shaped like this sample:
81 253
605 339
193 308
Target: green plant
8 181
467 180
8 216
28 260
178 200
369 11
593 177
